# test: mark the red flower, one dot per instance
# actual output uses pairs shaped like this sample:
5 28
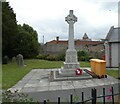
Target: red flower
78 71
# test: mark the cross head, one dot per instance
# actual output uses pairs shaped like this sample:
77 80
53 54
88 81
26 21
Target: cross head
71 17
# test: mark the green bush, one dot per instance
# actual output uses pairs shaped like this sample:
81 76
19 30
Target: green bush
10 97
83 56
61 57
52 58
42 56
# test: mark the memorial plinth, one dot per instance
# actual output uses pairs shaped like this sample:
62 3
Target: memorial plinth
71 69
71 60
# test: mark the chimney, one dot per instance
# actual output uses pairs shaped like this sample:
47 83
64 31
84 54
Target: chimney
57 38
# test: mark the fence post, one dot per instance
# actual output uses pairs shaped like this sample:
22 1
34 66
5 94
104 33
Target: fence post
103 95
112 96
45 102
94 96
82 97
119 75
71 99
58 100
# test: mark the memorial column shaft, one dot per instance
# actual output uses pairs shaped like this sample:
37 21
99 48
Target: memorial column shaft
71 36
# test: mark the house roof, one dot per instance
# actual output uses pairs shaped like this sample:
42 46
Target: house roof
57 42
80 42
113 35
84 41
85 36
77 42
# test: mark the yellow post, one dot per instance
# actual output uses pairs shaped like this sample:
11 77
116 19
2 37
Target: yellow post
100 68
93 65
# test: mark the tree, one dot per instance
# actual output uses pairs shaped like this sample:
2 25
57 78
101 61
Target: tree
16 38
9 30
27 41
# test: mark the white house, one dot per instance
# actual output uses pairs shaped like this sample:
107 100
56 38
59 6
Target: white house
112 47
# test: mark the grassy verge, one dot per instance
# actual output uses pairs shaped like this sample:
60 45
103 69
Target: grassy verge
11 73
113 73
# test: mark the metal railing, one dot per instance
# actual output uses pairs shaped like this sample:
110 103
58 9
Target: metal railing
93 98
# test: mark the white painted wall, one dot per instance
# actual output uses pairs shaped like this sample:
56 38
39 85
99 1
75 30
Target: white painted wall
114 39
114 54
107 54
119 53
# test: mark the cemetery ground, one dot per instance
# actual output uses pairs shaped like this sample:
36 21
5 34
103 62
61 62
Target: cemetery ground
11 73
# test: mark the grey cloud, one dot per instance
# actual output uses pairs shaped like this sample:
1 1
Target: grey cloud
51 28
109 6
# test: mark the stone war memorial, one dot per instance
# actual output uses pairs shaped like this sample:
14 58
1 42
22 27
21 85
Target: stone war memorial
71 78
71 68
71 61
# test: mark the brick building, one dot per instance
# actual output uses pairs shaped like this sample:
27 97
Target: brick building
59 46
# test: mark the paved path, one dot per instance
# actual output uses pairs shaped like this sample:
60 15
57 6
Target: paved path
36 83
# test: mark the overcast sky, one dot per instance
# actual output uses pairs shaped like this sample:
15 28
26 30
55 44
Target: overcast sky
47 17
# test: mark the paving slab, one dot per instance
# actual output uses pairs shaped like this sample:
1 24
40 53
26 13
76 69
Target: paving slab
36 83
55 87
42 88
56 83
28 89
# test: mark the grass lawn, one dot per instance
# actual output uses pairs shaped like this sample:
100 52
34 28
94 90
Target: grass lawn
11 73
113 73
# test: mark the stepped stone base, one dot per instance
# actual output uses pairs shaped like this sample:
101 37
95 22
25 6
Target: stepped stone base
71 65
68 72
58 76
